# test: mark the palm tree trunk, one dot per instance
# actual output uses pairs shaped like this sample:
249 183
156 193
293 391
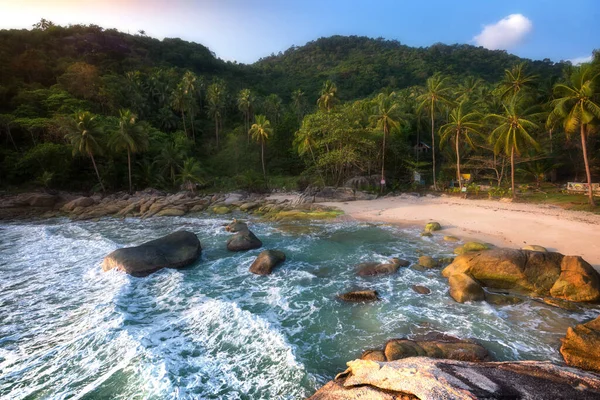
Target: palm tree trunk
129 166
183 119
433 145
193 131
383 159
262 156
217 130
587 165
512 172
97 173
458 160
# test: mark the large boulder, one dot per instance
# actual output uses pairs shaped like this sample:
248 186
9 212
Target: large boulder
243 240
427 378
464 288
78 202
532 272
428 262
446 347
236 226
581 346
375 268
176 250
266 261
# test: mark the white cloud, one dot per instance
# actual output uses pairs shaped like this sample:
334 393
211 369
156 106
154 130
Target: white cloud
581 60
504 34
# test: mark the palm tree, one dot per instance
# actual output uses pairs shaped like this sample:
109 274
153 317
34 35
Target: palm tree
437 92
328 96
169 159
190 90
511 134
131 137
272 105
577 105
305 142
179 103
260 131
215 97
190 174
298 102
245 102
462 122
515 80
385 117
84 132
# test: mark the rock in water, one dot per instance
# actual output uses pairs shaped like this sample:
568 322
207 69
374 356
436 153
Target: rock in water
243 240
427 378
266 261
445 347
428 262
236 226
464 288
581 346
375 268
421 289
359 296
176 250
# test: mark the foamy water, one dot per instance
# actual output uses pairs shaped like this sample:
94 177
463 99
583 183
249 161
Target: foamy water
215 331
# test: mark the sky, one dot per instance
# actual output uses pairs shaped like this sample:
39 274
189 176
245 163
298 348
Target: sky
246 30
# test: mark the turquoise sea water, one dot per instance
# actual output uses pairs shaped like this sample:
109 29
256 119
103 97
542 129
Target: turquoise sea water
216 331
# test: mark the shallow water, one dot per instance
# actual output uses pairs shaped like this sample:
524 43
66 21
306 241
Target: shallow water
213 330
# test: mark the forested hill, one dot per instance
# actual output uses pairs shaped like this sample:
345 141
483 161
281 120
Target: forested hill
361 66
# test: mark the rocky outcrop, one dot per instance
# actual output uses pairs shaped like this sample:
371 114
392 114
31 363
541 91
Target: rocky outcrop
176 250
435 346
531 272
78 202
243 240
375 268
581 346
463 288
359 296
535 247
427 378
329 193
266 261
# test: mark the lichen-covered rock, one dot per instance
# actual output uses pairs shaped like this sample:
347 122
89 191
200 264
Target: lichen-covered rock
475 246
220 210
176 250
428 262
266 261
581 346
359 296
243 240
427 378
171 212
535 247
451 239
463 288
375 268
433 226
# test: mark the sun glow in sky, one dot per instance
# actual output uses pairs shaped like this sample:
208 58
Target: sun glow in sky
245 30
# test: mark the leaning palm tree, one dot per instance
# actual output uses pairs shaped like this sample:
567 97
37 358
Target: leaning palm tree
84 131
463 122
437 93
515 80
131 136
385 118
328 96
577 106
260 131
511 134
245 102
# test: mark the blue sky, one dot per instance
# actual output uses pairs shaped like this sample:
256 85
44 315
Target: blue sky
245 30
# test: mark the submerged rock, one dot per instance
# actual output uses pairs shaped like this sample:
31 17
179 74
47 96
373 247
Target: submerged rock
375 268
535 273
581 346
421 289
243 240
359 296
266 261
176 250
426 378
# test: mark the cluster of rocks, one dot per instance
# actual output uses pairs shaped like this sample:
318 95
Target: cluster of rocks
330 193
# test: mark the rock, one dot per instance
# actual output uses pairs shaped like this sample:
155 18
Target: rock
534 273
37 200
502 299
581 346
563 304
464 288
426 234
171 212
428 262
374 268
249 206
78 202
221 210
459 250
236 226
433 226
374 355
421 289
243 240
427 378
451 239
266 261
176 250
475 246
445 347
360 296
535 247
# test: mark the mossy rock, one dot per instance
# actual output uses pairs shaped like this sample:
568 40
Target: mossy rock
535 247
221 210
428 262
426 234
459 250
299 215
433 226
475 246
451 239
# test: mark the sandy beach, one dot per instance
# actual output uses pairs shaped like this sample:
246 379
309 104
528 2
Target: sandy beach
502 224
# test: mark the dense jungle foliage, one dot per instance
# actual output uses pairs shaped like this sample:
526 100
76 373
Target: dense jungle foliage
87 108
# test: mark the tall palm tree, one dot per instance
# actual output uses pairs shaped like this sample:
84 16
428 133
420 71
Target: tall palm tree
260 131
215 98
179 102
190 86
84 131
515 80
131 136
437 93
386 118
511 134
463 122
328 97
245 102
299 103
577 106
